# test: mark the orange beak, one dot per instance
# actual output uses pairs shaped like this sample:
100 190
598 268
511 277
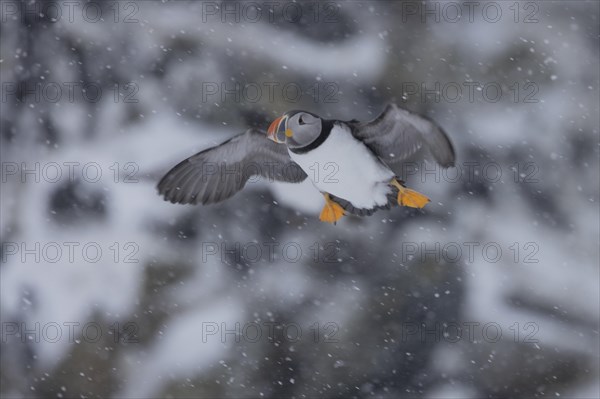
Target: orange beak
276 131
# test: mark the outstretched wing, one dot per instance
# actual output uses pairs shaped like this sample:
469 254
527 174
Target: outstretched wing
398 136
217 173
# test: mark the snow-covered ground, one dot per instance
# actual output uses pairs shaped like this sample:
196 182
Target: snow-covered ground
107 291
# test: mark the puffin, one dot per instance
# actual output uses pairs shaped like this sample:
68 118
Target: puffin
357 166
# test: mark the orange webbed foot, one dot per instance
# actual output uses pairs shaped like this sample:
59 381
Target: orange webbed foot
408 197
332 211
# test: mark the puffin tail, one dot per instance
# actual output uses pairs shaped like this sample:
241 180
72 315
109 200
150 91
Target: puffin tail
392 198
399 195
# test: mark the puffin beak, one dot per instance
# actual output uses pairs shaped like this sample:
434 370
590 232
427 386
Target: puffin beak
276 131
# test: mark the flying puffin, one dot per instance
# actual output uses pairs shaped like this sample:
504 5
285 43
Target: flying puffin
355 165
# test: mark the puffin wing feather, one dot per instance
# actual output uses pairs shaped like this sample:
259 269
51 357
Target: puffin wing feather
398 136
217 173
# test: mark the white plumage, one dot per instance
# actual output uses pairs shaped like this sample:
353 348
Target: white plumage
345 167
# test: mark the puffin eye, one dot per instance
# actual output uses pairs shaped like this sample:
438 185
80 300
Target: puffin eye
300 121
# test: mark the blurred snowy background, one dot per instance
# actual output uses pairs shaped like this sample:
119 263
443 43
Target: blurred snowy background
107 291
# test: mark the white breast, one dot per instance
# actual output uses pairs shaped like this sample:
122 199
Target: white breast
345 167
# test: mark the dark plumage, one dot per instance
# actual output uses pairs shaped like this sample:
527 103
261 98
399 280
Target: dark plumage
397 136
217 173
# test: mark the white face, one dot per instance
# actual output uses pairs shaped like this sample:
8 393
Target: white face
302 129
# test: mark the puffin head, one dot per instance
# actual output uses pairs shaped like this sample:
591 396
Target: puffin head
295 128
